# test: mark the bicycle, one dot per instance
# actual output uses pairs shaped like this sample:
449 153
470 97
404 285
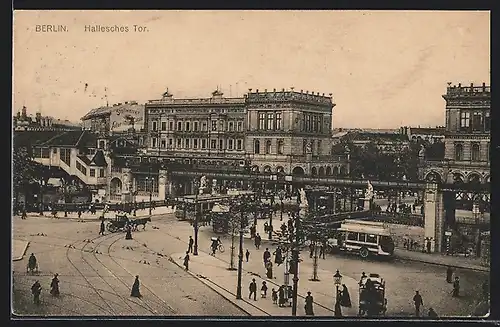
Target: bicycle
221 248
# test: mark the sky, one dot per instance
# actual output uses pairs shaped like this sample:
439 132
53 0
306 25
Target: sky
385 69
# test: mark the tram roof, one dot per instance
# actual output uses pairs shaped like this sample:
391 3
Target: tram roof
364 228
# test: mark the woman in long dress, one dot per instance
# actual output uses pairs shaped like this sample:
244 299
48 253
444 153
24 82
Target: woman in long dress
135 288
345 297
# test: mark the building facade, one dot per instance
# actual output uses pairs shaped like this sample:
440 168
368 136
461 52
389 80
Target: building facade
119 117
466 138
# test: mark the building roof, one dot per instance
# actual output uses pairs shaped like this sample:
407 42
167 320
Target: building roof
73 139
99 159
30 138
369 136
106 110
427 130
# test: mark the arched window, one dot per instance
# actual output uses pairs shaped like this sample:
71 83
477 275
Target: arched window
281 146
475 152
459 151
268 146
256 147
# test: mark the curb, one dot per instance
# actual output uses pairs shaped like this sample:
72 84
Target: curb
220 291
23 253
477 268
89 219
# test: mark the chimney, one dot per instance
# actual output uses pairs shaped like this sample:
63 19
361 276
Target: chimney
484 87
23 112
257 91
301 91
459 84
274 90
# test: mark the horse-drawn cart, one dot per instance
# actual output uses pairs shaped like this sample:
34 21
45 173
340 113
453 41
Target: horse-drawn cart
372 301
118 223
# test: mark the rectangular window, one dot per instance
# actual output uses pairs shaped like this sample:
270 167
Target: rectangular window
188 126
371 238
315 123
204 127
188 143
231 126
163 143
278 121
45 152
280 146
179 143
352 236
464 120
195 126
270 121
101 144
203 143
221 125
230 144
153 142
319 148
179 126
213 144
163 125
477 121
170 125
92 172
170 143
239 127
221 144
362 237
214 126
195 144
155 125
487 121
101 173
239 144
262 120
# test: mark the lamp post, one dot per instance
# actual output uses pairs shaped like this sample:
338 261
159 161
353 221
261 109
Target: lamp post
195 225
314 277
232 221
295 254
240 255
149 183
337 279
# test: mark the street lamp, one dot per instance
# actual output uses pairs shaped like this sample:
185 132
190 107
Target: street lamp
149 183
337 280
240 255
195 250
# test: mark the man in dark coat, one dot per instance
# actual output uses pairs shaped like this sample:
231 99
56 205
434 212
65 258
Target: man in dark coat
247 255
54 286
278 259
186 261
128 236
456 287
309 305
253 290
417 300
190 245
36 289
269 269
102 228
257 241
135 288
266 256
32 266
281 296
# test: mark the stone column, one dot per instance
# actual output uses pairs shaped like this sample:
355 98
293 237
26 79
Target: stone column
162 184
434 217
126 184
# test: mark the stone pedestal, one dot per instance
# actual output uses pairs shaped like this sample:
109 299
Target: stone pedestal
433 215
303 211
367 204
201 190
162 184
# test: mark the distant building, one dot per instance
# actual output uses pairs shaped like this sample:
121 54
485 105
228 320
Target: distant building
25 122
119 117
386 142
429 134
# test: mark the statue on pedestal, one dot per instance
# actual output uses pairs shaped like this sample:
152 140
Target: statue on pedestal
203 184
369 191
303 199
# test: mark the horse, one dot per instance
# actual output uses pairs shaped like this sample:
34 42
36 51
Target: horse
142 221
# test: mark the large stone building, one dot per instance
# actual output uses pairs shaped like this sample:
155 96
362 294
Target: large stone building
25 122
467 137
119 117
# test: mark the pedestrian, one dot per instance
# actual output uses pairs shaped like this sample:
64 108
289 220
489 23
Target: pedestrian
36 289
190 246
345 298
309 305
79 212
338 310
102 228
281 292
311 250
135 288
322 250
23 213
274 296
186 261
278 257
456 287
363 276
432 313
417 300
247 255
32 264
263 290
253 229
428 245
54 286
257 241
269 270
449 275
266 256
128 236
253 290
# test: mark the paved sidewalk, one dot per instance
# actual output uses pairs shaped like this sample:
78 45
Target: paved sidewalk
19 248
214 272
440 259
87 216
